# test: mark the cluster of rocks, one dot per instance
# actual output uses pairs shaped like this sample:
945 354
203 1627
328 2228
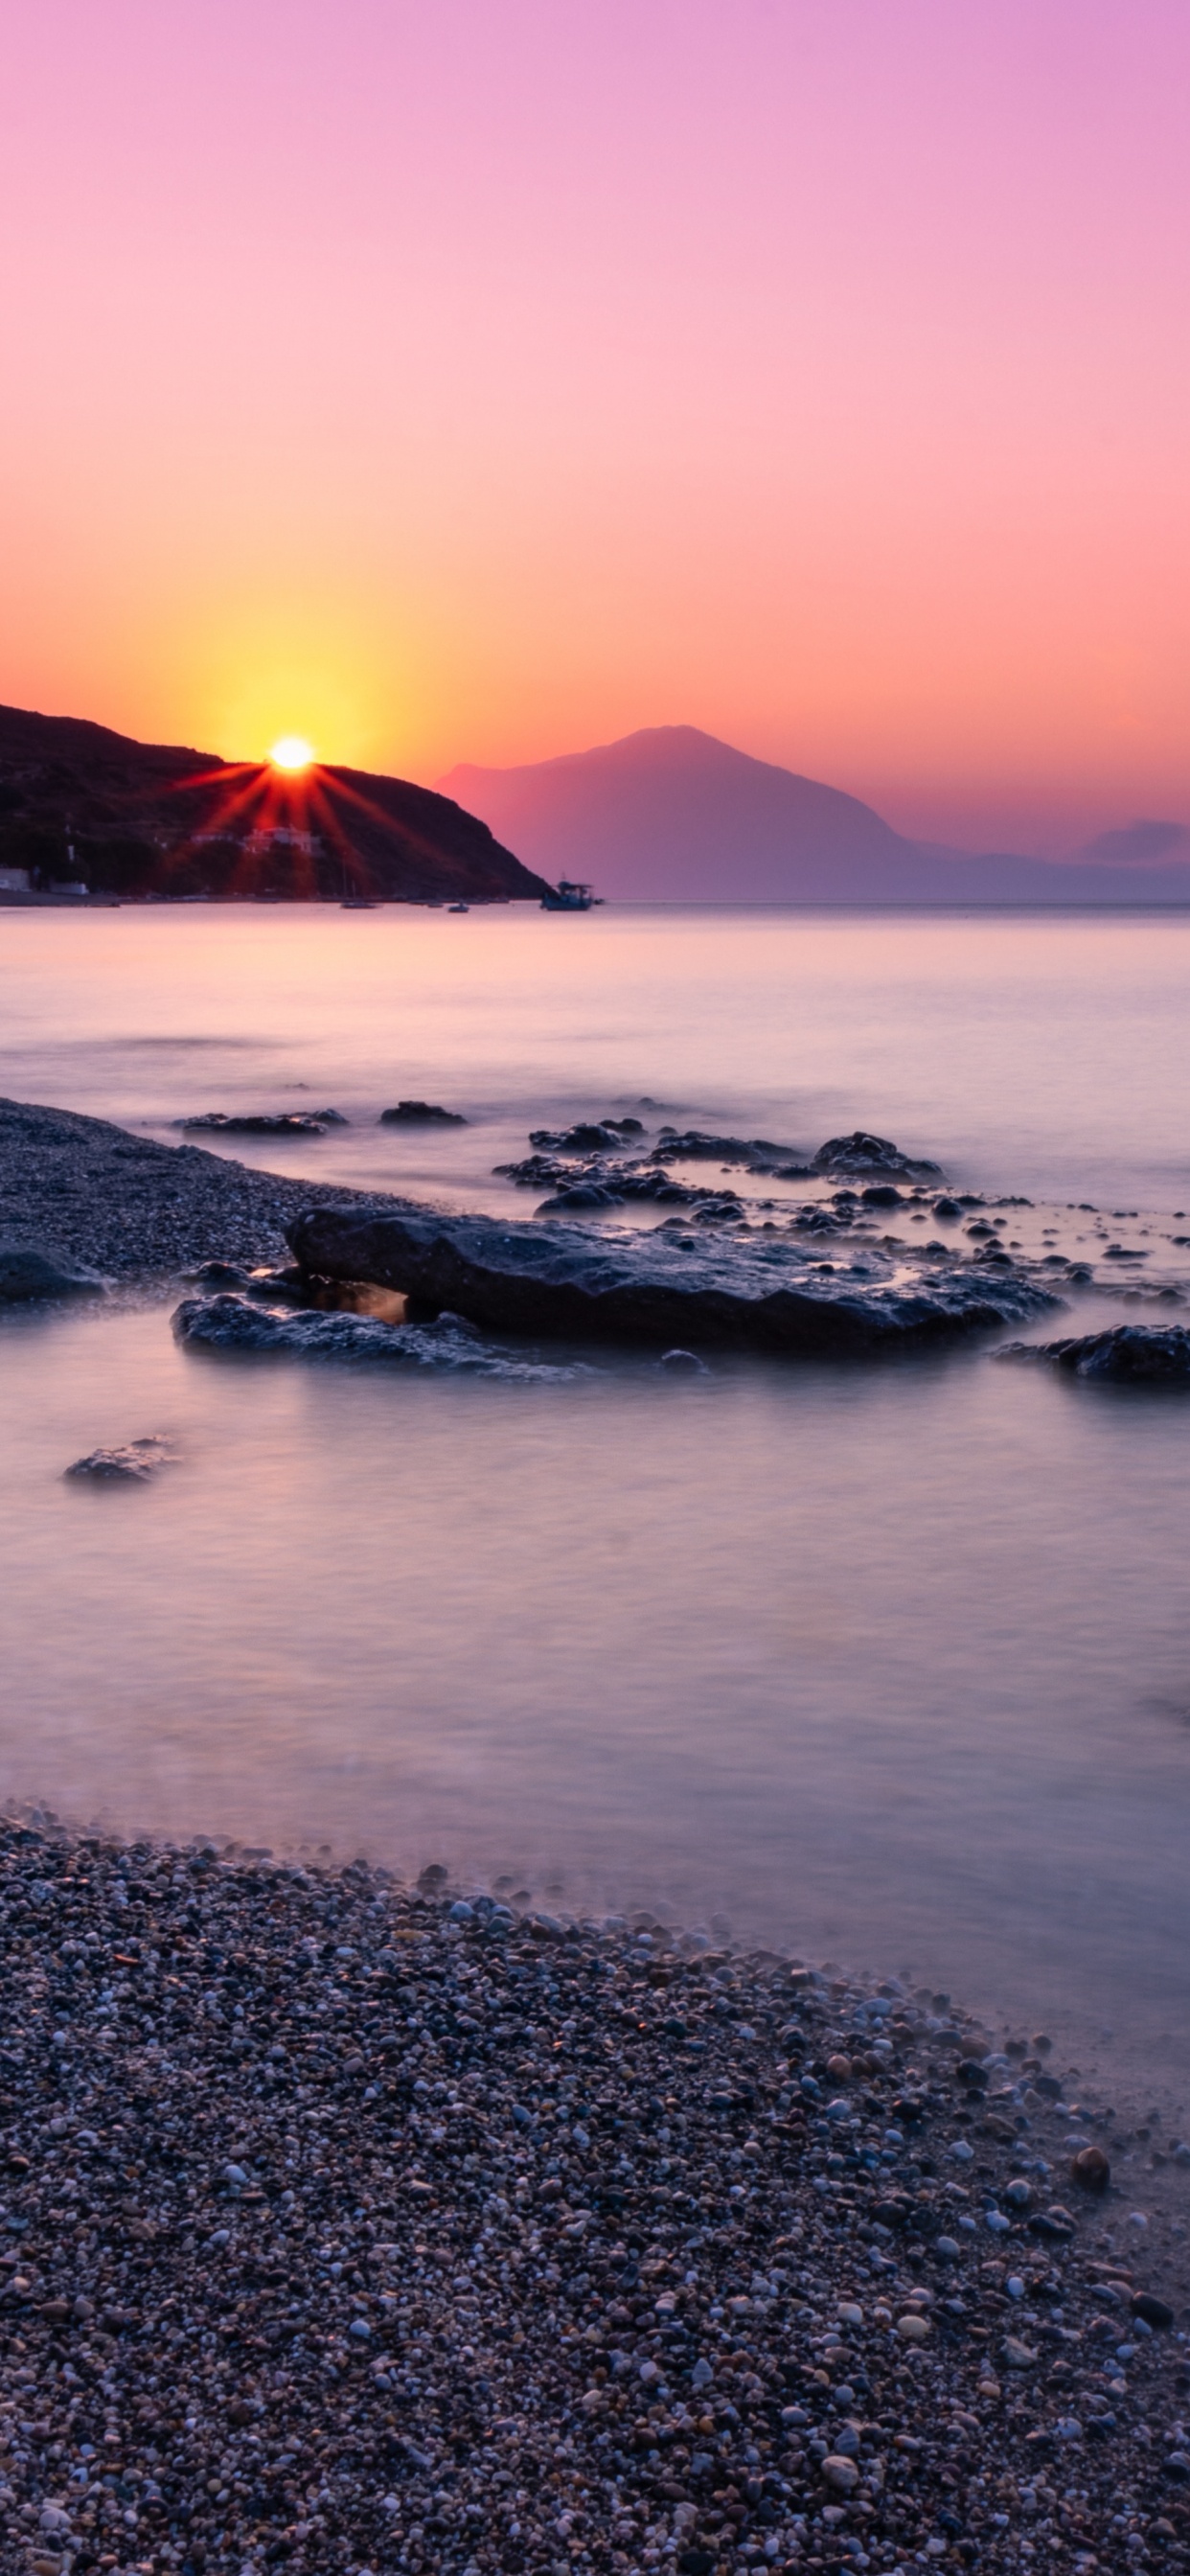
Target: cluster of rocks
1126 1355
353 2227
655 1288
85 1205
583 1167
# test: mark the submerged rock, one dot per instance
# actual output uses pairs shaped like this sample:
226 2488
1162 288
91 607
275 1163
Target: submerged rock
287 1122
654 1287
449 1345
37 1270
420 1113
1126 1355
132 1463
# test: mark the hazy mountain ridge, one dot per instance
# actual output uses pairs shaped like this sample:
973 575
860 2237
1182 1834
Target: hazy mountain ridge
157 818
670 814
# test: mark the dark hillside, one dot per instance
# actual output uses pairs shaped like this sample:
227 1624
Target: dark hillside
79 803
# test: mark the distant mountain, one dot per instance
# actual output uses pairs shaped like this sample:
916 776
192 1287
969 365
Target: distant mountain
78 802
670 815
1137 844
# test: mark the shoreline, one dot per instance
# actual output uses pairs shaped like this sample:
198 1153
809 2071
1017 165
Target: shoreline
135 1210
355 2225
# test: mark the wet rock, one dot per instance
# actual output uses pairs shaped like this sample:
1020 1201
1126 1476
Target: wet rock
650 1287
602 1136
695 1145
420 1113
287 1122
29 1270
1126 1355
448 1345
132 1463
860 1152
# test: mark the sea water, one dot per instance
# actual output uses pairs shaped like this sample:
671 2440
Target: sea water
885 1664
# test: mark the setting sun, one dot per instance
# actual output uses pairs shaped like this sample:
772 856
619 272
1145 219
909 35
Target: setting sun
291 752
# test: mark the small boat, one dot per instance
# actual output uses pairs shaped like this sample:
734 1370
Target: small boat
458 907
357 903
569 896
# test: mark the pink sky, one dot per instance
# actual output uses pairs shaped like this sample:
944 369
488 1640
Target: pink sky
484 380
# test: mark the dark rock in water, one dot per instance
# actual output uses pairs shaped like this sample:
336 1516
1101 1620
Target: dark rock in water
693 1145
288 1122
330 1118
881 1194
131 1464
420 1113
36 1270
947 1210
448 1345
860 1152
758 1293
1127 1355
610 1136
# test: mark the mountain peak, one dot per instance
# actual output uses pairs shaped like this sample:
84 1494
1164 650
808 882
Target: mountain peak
670 814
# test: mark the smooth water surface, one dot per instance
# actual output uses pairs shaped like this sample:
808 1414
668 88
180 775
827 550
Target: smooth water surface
890 1664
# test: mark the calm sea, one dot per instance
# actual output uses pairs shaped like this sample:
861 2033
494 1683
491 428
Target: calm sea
891 1666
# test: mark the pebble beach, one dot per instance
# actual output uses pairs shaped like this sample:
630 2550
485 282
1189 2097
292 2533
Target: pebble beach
357 2226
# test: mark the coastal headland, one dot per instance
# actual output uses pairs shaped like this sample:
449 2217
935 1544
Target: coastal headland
85 811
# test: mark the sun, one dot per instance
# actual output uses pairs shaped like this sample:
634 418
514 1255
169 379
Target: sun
291 753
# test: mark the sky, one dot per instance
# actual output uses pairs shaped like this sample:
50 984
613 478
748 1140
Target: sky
485 380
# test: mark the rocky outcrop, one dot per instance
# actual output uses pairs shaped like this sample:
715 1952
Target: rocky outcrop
447 1345
158 819
756 1153
132 1463
285 1122
761 1293
420 1113
860 1153
29 1270
1126 1355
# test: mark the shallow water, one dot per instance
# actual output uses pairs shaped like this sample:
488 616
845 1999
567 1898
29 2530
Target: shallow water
893 1665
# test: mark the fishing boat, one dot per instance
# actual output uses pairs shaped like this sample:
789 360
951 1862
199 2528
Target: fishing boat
458 907
569 895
